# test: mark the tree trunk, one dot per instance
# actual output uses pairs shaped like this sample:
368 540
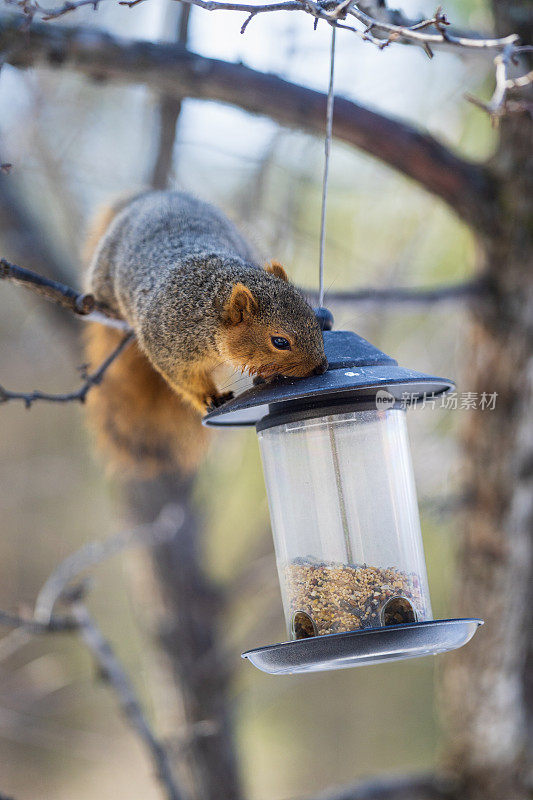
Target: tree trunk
485 685
188 633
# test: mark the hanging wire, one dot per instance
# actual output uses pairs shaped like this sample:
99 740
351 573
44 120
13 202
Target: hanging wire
327 148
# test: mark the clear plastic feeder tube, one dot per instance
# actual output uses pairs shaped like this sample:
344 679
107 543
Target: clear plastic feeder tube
345 522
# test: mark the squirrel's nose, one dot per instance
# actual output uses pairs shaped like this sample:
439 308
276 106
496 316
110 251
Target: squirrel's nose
322 367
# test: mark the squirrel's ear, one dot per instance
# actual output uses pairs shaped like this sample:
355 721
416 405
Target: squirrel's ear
275 268
241 305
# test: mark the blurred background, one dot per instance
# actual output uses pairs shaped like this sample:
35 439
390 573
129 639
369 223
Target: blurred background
73 145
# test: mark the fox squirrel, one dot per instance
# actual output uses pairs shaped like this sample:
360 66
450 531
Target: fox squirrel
186 281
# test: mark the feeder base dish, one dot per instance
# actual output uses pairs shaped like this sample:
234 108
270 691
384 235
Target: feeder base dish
369 646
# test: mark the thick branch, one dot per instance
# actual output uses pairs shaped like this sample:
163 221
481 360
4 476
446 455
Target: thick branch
172 69
169 113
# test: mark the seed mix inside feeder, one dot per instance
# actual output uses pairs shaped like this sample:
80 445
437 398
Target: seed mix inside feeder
344 513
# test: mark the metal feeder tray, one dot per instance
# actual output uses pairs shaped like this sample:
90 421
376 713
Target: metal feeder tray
358 648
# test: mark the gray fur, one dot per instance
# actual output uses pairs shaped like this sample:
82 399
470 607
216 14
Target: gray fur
168 262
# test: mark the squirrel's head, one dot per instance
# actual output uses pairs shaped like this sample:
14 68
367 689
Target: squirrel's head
269 329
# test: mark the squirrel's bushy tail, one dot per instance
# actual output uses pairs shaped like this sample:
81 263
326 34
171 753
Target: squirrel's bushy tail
139 423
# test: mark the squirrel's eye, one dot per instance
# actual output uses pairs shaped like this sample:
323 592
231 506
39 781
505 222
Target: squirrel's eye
280 343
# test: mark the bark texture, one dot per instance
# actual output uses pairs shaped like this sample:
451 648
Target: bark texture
486 684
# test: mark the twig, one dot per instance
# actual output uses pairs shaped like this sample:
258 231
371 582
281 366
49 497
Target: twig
410 787
498 105
389 32
466 186
79 395
119 681
331 12
167 524
374 29
418 34
32 7
53 290
45 621
55 624
84 306
399 295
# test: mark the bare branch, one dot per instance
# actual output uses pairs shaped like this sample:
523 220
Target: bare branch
83 305
375 30
44 621
79 395
31 7
464 291
54 625
383 32
114 674
418 34
399 30
167 524
24 240
53 290
170 68
119 681
498 105
169 114
412 787
378 29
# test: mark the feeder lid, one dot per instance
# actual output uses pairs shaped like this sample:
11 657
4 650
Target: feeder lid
357 371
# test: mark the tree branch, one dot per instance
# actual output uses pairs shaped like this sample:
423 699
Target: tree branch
395 26
83 305
53 290
464 291
172 69
498 105
417 787
24 240
169 114
166 526
118 680
79 395
54 625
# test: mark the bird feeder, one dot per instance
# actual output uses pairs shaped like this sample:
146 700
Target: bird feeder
344 512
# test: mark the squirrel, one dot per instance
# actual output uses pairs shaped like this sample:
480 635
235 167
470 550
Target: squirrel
182 276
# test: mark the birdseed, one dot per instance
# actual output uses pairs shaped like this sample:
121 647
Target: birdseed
331 598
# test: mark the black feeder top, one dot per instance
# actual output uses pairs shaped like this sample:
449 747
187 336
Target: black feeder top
356 372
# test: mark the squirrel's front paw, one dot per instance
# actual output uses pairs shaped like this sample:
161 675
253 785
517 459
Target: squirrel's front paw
218 400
